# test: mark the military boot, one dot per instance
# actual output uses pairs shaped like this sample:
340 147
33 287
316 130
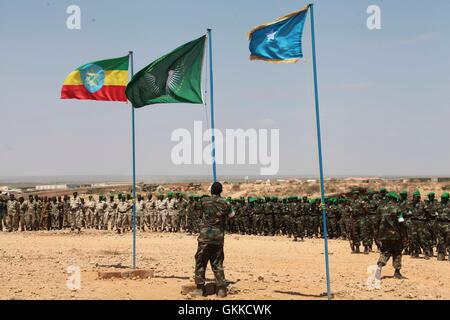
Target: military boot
441 257
366 250
199 292
357 249
222 292
397 274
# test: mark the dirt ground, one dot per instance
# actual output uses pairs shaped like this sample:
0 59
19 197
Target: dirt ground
34 266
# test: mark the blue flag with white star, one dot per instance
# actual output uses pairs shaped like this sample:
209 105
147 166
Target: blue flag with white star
279 41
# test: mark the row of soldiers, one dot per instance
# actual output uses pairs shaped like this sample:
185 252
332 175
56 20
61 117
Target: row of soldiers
352 216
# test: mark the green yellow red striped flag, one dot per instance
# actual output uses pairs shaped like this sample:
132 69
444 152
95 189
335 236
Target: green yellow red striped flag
99 80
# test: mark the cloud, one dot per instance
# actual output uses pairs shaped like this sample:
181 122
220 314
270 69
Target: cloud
420 38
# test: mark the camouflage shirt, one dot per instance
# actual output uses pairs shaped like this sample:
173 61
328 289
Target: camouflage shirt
389 226
215 211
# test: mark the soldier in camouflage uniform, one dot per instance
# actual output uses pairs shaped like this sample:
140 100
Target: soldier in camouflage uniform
149 208
421 236
22 212
372 207
431 207
44 214
298 220
99 214
54 214
358 211
443 227
12 215
258 216
215 211
405 207
332 218
140 209
110 213
89 209
2 212
392 234
76 213
182 213
122 211
268 217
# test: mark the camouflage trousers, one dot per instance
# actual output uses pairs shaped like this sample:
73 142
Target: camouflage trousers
367 231
299 225
12 222
421 237
256 223
443 237
213 254
391 248
107 219
77 218
54 221
332 226
173 221
355 232
267 225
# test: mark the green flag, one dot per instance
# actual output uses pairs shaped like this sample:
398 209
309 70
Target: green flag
173 78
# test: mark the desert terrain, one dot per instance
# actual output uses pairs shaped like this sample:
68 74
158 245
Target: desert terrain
34 266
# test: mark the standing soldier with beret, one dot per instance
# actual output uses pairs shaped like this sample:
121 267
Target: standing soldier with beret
215 211
391 233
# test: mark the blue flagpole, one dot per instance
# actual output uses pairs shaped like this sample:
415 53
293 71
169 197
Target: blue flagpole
134 168
319 147
211 102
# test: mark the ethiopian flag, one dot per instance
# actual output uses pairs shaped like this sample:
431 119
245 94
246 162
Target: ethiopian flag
99 80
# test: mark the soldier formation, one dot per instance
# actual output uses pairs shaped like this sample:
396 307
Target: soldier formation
356 217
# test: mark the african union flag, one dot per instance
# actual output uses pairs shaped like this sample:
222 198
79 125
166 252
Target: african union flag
99 80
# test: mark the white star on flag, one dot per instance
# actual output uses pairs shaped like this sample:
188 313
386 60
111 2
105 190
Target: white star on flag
271 36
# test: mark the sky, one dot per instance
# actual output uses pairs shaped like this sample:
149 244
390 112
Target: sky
384 94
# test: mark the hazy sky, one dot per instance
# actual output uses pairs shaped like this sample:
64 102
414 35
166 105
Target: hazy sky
384 94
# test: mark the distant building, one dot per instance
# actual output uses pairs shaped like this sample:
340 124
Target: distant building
52 187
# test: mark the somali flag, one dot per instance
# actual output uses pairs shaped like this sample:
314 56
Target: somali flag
279 41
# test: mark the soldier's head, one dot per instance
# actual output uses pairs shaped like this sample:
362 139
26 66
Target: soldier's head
75 194
91 197
111 198
54 199
393 197
149 196
30 197
444 197
128 196
416 196
66 197
21 199
82 200
383 192
170 194
370 194
216 188
431 196
11 197
59 198
404 195
139 197
36 197
355 194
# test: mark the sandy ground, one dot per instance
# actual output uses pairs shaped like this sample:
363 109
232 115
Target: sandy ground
34 265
